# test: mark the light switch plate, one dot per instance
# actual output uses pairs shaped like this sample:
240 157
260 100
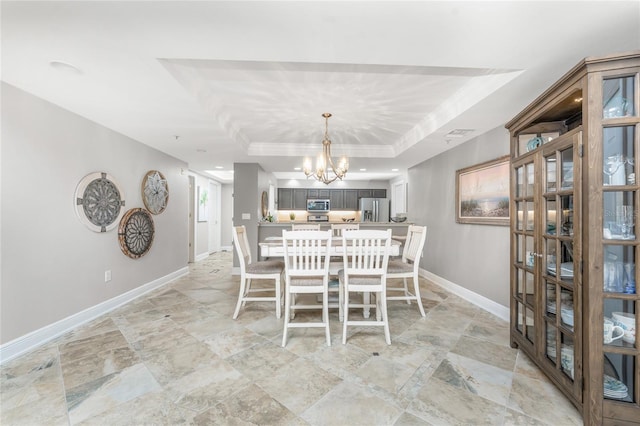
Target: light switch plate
246 216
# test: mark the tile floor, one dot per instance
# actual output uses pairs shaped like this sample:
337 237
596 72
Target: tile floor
175 356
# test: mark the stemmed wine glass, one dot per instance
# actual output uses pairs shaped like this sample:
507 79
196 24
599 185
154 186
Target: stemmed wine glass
625 218
612 169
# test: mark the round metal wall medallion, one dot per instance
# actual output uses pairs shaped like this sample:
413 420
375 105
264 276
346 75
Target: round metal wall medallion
99 202
136 232
155 191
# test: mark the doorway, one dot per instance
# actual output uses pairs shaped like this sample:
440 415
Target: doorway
191 219
214 217
399 204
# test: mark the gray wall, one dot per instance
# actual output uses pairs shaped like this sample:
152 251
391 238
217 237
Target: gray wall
249 180
226 216
473 256
52 265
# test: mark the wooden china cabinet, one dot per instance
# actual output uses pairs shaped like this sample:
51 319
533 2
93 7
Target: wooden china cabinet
575 236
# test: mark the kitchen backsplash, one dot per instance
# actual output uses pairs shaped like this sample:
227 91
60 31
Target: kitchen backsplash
301 215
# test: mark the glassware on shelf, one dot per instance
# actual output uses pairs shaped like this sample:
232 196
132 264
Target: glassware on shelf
614 168
567 169
613 277
625 220
616 107
629 278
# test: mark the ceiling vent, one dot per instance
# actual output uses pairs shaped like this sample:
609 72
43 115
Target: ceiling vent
459 133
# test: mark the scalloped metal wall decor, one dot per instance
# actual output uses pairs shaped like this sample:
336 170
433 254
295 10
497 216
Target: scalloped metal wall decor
136 232
99 201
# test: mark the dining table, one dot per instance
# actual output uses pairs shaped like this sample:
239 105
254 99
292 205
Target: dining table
273 247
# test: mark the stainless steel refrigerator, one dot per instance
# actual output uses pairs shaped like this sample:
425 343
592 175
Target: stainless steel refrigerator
374 209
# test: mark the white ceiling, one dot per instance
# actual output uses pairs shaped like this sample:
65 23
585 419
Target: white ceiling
213 83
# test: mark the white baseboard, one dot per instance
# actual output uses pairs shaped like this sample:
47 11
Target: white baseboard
487 304
45 334
201 256
226 248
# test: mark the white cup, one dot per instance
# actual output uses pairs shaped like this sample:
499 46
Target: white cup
627 322
612 332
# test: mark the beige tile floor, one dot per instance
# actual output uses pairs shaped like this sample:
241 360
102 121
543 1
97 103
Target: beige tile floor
175 356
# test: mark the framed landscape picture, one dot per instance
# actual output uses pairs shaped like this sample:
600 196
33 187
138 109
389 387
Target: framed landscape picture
482 193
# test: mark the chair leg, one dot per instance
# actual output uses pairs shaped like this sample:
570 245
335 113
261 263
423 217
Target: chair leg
340 302
278 300
387 334
247 290
366 301
287 307
240 297
345 312
416 291
406 290
325 315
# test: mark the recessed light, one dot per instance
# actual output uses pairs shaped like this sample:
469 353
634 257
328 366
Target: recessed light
65 66
363 170
219 167
394 170
297 169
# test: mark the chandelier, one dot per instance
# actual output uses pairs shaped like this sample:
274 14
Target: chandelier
324 161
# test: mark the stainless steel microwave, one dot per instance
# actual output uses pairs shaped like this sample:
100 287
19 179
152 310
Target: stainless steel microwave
318 206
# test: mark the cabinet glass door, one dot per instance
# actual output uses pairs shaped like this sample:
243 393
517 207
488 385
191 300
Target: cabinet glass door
560 314
526 256
620 206
619 275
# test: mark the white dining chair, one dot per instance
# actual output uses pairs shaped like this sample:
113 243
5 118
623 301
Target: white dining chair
408 266
337 228
305 226
366 256
336 265
306 258
265 270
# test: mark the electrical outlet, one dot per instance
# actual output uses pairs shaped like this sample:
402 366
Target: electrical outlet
107 276
246 216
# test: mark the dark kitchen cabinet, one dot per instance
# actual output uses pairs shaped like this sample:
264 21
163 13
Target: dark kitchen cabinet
322 194
285 198
350 199
299 199
365 193
336 196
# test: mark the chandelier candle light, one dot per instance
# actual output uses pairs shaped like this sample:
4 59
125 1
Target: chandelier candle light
324 161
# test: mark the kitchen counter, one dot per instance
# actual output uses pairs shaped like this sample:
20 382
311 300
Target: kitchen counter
274 229
328 224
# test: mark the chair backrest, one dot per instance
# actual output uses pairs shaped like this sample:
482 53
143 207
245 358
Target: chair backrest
305 226
366 252
306 253
241 242
416 237
338 228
